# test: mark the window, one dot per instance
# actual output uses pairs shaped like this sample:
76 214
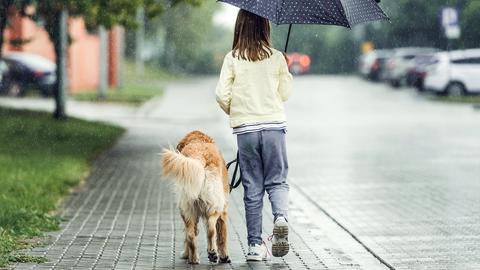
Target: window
408 57
463 61
475 60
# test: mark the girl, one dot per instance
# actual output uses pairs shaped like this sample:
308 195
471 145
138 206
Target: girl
254 83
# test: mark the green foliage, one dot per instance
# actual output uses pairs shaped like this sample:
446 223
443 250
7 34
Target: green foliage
417 23
331 48
471 24
40 161
187 34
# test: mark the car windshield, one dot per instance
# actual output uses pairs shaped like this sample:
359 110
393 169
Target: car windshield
409 57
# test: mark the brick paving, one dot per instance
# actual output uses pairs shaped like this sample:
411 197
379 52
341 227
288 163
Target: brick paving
125 217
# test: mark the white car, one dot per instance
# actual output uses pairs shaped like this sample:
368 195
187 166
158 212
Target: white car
455 73
401 62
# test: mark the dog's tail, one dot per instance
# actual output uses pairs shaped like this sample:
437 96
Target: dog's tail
189 173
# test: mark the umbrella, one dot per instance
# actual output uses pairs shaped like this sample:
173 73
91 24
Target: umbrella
345 13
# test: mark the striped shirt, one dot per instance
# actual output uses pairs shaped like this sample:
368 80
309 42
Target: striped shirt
247 128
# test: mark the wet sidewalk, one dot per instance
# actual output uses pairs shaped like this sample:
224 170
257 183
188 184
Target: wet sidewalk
125 217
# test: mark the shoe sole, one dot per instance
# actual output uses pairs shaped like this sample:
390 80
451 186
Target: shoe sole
256 259
281 247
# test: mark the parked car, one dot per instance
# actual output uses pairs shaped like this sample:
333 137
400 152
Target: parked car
299 63
455 73
3 70
373 64
28 71
418 71
401 62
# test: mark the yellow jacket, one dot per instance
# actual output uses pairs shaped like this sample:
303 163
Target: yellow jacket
253 92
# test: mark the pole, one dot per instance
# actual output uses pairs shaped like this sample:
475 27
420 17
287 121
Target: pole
288 37
121 58
103 70
139 41
62 75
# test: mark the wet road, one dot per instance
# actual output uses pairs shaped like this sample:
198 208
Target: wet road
398 171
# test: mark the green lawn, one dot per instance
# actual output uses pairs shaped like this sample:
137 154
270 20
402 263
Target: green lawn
40 161
470 99
136 89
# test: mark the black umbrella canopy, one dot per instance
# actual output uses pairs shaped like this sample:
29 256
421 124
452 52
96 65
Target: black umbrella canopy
345 13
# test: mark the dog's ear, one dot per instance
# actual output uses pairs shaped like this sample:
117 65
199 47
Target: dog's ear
180 146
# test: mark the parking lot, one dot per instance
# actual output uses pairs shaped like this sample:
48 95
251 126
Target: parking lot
446 73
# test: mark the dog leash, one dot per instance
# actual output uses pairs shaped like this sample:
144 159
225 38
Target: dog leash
235 183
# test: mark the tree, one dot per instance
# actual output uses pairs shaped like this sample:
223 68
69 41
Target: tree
188 31
417 23
95 12
5 6
471 22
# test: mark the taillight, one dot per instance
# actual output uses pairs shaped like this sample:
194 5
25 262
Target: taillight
305 61
38 74
376 65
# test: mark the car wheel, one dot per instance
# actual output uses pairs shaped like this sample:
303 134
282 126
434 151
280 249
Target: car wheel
14 89
395 83
46 91
456 89
419 86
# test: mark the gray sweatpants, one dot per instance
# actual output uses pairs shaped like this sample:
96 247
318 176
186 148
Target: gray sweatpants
264 167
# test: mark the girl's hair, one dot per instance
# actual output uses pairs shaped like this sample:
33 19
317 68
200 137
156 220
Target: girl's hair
251 41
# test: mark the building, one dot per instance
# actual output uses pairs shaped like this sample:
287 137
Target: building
83 53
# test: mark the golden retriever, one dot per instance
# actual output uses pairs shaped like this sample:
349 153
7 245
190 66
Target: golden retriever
201 183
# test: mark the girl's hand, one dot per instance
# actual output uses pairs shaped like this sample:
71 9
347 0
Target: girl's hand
286 58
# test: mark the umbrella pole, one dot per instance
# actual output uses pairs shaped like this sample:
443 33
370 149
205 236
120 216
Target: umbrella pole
288 37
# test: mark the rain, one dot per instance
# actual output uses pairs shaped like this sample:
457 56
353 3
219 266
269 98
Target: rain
240 134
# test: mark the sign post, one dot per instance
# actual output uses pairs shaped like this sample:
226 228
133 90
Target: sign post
450 20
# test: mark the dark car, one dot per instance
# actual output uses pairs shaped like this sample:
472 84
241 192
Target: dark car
27 71
3 71
417 73
373 65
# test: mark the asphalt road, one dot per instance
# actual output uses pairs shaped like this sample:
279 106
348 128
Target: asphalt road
400 172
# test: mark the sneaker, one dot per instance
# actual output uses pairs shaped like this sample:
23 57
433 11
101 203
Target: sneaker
257 253
280 245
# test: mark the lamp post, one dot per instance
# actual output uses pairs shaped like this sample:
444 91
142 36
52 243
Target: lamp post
62 75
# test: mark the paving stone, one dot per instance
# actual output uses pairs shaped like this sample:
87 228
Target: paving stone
125 217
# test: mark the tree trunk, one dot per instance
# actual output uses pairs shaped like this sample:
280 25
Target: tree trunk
103 83
60 40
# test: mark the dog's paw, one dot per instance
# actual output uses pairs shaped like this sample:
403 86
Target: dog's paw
225 260
193 261
184 256
212 257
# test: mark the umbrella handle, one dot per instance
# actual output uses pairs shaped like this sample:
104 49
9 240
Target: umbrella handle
288 37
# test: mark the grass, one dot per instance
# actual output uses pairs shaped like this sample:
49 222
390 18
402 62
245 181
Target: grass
136 89
469 99
41 160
